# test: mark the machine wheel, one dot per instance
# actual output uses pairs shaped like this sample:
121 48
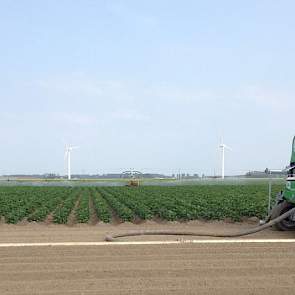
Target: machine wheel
287 224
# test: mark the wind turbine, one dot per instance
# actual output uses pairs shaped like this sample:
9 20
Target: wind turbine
223 148
68 151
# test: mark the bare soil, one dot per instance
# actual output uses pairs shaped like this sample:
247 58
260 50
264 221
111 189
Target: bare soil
72 216
221 269
92 214
43 232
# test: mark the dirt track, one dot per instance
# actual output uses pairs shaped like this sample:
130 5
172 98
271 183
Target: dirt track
37 232
155 269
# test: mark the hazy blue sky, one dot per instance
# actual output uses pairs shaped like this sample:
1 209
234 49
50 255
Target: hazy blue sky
146 84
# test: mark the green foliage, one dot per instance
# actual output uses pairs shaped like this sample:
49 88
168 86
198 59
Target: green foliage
101 207
133 199
63 211
122 210
17 203
82 212
169 203
48 203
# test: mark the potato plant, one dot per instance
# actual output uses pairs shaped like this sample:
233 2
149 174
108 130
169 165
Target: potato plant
122 210
63 211
82 212
101 207
209 202
132 199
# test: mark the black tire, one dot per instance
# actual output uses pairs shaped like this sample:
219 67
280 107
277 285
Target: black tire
287 224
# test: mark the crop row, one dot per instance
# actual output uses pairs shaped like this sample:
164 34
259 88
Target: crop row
62 212
125 213
32 204
169 203
101 207
82 212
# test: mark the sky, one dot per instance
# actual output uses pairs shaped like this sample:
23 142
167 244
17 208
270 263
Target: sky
151 85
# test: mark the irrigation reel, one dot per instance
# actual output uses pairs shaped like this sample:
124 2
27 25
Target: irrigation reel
281 216
133 176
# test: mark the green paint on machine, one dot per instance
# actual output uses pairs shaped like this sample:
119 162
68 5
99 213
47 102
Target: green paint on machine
293 152
289 192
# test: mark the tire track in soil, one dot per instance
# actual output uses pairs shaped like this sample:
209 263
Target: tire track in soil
49 218
93 219
72 220
115 219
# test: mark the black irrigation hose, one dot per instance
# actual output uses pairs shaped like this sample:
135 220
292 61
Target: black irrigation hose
112 237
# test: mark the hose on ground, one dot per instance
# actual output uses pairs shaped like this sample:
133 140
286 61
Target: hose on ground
113 237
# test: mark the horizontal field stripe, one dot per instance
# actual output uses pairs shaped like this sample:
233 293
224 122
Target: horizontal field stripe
224 241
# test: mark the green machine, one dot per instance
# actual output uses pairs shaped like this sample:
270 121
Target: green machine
286 199
289 193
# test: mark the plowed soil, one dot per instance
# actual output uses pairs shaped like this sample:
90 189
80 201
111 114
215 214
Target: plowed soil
222 269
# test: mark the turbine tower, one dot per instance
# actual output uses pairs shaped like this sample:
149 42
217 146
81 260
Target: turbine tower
223 148
68 151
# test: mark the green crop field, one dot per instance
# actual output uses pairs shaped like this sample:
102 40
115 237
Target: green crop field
92 204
